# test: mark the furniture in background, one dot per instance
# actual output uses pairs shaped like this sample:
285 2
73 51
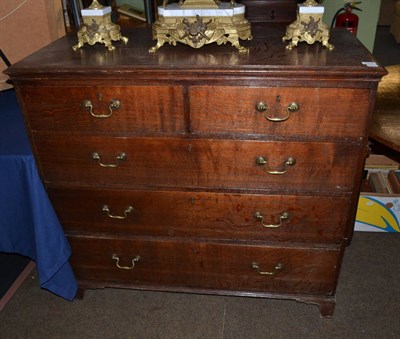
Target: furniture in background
29 225
385 129
204 170
395 25
270 10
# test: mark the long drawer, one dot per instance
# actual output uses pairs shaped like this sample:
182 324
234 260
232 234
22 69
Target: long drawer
197 163
311 270
322 112
107 109
202 214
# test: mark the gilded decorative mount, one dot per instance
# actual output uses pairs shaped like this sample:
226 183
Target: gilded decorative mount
200 22
308 26
98 27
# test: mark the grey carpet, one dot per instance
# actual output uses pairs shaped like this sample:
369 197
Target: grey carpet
368 306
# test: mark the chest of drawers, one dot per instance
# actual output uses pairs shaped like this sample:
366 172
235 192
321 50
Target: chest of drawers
203 170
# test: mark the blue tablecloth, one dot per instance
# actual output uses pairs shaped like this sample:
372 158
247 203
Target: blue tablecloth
28 223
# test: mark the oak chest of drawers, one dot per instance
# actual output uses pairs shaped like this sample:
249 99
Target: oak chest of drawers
203 170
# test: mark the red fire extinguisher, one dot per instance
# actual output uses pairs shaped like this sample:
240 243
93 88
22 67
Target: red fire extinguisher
347 19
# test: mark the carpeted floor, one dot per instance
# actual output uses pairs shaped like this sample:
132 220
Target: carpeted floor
368 305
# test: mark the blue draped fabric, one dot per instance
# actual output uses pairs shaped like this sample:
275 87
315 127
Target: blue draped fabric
28 223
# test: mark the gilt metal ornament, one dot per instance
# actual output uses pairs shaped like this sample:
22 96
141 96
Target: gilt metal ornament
97 27
200 22
308 26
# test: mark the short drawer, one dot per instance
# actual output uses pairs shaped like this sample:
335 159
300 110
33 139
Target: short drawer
202 214
112 108
323 113
243 268
197 163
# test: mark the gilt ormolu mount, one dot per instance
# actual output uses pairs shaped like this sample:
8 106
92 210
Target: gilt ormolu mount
308 26
98 28
200 22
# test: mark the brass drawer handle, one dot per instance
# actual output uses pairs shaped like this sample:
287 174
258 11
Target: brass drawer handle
120 157
135 259
262 107
278 267
293 107
127 210
283 217
290 161
113 106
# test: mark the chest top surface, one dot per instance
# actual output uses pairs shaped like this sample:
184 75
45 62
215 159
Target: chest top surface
267 56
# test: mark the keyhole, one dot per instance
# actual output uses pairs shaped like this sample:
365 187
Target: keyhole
100 96
278 104
272 14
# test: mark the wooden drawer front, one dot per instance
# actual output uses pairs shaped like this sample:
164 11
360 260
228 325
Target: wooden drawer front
142 109
201 215
205 265
270 10
197 163
323 113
